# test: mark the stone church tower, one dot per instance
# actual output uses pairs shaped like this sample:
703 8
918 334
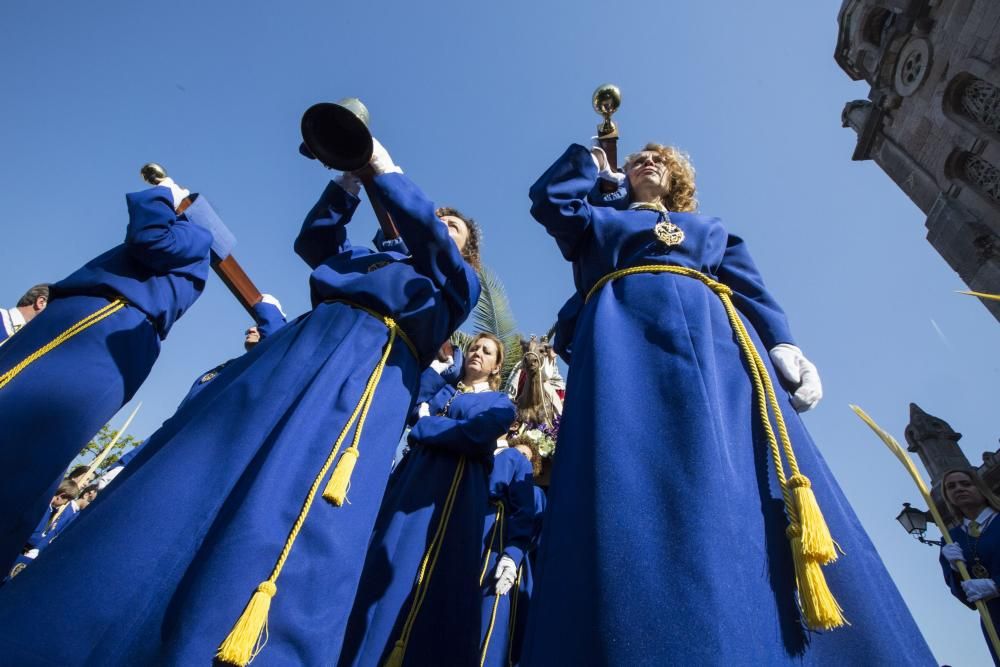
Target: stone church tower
935 442
932 118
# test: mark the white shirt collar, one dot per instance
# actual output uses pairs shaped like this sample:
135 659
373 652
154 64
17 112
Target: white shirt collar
984 518
12 320
480 387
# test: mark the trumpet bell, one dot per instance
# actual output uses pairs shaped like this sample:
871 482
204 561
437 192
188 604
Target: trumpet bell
337 133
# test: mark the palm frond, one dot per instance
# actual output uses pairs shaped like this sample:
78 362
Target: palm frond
493 314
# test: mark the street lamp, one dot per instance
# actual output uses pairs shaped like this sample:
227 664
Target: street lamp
914 522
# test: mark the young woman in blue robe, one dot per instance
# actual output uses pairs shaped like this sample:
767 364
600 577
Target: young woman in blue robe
509 529
665 538
83 357
223 504
419 600
976 541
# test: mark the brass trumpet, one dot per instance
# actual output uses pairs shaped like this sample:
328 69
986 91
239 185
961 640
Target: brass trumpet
337 134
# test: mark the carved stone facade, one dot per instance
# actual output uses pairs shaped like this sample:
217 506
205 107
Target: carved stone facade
932 118
936 443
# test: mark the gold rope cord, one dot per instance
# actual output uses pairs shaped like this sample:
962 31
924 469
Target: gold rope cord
811 542
82 325
249 635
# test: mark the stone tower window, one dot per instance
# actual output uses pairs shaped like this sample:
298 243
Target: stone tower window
912 67
980 101
982 175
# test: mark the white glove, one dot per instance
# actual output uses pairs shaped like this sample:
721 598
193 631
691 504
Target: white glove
271 299
603 168
979 589
177 192
441 366
349 182
423 410
801 373
952 553
381 162
506 574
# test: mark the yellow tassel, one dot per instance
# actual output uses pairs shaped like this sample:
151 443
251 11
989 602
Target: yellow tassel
249 635
817 543
336 488
820 609
395 658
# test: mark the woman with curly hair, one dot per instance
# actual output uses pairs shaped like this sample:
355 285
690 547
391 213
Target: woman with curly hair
684 523
418 602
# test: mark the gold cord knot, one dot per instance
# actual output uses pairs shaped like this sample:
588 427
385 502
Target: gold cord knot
268 588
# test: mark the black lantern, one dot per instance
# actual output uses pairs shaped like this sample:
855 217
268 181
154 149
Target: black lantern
914 522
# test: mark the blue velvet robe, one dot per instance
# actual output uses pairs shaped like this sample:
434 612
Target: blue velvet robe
511 484
987 546
446 630
200 517
64 398
665 534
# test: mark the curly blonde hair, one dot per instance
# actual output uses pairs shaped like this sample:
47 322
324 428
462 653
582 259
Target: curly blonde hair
680 196
470 253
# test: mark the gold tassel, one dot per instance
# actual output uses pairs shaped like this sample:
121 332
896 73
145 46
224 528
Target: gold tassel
817 543
395 658
820 609
336 488
249 635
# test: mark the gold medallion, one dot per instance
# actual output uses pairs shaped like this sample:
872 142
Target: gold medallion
979 571
668 233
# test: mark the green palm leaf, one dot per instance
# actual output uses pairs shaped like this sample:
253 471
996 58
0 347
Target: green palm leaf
493 314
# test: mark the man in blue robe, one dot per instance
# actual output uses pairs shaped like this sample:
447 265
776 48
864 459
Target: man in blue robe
28 306
88 352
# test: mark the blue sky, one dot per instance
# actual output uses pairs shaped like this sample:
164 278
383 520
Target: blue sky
474 100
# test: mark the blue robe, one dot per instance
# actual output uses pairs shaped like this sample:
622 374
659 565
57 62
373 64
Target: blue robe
445 630
199 519
665 531
511 484
520 597
987 547
64 398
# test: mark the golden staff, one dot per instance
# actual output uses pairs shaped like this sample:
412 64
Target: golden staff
98 460
981 295
900 453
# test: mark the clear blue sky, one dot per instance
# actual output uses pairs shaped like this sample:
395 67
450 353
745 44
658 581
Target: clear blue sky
474 100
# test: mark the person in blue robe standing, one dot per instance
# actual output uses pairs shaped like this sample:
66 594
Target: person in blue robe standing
269 318
510 526
671 536
419 600
976 540
229 529
68 371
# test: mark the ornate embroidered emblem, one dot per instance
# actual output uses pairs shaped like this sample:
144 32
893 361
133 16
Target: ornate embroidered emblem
16 570
668 233
378 265
208 377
